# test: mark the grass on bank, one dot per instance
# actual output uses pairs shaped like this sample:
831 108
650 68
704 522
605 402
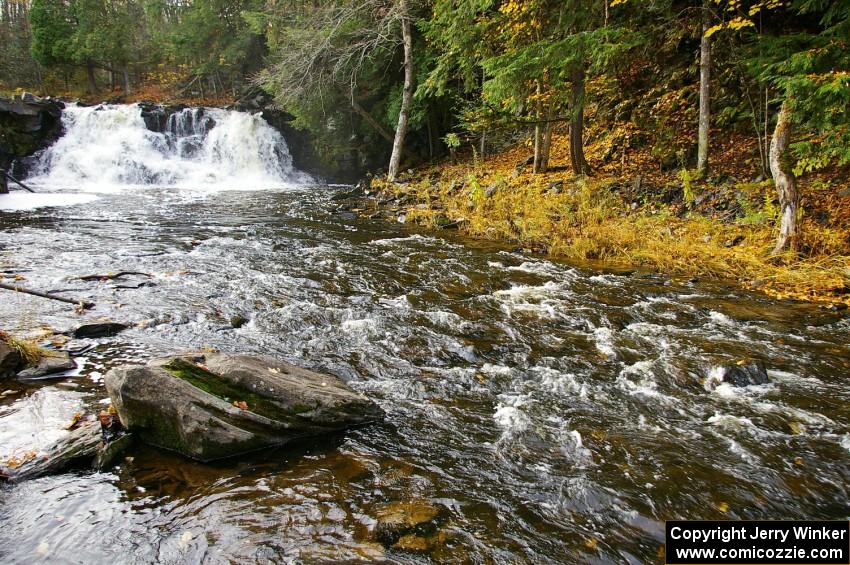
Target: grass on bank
29 349
590 219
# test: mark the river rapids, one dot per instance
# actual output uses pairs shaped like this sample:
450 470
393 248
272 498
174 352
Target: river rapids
555 413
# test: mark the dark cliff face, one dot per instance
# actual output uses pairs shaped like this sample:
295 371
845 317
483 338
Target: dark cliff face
28 124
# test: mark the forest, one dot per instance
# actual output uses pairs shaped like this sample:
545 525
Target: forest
691 94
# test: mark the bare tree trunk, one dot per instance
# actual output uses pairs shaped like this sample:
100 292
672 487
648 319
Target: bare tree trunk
430 138
483 148
407 94
538 133
547 140
127 89
90 75
371 121
766 165
577 158
704 91
786 183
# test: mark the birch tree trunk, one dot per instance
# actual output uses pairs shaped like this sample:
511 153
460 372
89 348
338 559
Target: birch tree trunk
786 183
704 91
407 94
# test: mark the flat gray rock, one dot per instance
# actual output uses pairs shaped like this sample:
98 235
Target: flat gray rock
47 366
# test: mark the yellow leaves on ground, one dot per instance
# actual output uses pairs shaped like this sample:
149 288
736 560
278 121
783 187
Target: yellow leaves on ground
586 220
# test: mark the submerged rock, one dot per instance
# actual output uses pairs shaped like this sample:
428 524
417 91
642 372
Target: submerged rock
406 520
102 329
751 372
215 405
49 365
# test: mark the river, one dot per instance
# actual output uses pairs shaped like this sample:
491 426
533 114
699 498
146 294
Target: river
555 413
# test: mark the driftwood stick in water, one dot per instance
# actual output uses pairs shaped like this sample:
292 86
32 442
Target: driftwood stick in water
16 288
111 276
16 181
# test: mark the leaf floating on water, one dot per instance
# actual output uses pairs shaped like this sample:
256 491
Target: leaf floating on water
591 543
241 404
723 507
273 370
799 461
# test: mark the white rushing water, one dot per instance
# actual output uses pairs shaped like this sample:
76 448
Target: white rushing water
108 148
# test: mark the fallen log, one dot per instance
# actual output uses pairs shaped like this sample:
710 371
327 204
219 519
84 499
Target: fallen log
110 276
14 180
84 303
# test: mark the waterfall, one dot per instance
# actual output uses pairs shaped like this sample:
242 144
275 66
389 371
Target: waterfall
109 147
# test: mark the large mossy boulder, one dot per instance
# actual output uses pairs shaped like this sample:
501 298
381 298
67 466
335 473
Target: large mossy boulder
214 405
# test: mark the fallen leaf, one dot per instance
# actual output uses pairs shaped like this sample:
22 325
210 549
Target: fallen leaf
75 421
241 404
723 507
273 370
